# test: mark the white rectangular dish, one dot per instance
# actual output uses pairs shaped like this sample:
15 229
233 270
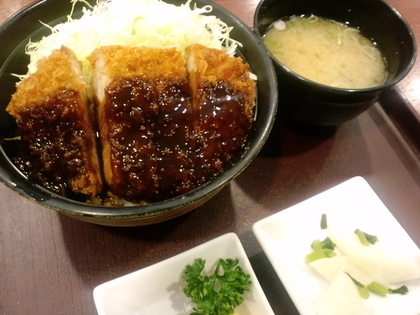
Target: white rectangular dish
286 237
157 289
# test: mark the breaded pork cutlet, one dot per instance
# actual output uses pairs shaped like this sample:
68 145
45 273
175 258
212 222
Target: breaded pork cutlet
57 137
223 100
145 121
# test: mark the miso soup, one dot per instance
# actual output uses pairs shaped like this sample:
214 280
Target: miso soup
327 52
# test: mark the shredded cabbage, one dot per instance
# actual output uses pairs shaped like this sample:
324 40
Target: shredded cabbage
152 23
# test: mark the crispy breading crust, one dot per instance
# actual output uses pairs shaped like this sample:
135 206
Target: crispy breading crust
59 79
145 62
224 97
55 72
191 110
148 76
211 66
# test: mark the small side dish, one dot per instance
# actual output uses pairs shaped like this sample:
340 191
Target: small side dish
286 238
159 288
356 265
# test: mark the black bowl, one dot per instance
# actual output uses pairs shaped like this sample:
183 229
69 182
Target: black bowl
15 34
305 101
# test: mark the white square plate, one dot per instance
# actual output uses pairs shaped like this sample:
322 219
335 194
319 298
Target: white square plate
158 289
286 237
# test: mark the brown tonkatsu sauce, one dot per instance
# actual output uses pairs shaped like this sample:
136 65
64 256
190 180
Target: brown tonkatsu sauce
166 122
161 147
53 142
150 137
222 127
174 135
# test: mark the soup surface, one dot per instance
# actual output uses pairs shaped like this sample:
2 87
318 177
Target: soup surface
327 52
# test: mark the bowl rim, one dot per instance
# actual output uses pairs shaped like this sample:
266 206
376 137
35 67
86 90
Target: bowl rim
44 197
327 88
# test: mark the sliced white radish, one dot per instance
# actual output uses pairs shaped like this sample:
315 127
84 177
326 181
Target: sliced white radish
328 268
340 298
385 260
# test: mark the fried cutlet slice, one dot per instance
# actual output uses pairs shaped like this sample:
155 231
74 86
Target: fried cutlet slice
223 100
51 109
144 116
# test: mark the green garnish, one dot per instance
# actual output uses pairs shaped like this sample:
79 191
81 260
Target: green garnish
366 239
383 290
219 293
327 243
321 249
363 290
377 288
324 221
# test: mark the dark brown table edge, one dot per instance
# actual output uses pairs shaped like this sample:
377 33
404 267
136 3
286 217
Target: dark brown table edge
400 124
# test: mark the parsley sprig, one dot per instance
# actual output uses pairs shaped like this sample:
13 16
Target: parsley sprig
219 293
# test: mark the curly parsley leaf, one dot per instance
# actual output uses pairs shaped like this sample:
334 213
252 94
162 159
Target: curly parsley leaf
219 293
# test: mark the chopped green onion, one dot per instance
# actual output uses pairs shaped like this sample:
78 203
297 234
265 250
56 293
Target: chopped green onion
324 221
363 290
372 239
317 245
328 244
329 253
378 289
366 239
362 237
321 249
403 290
383 290
324 253
315 256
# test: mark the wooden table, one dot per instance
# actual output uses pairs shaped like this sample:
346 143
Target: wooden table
49 263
